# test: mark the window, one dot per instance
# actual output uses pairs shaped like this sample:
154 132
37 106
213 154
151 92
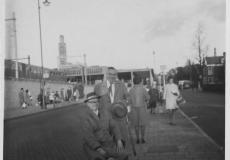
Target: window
210 70
222 60
210 80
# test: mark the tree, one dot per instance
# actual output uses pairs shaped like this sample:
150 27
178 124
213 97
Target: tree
199 44
200 47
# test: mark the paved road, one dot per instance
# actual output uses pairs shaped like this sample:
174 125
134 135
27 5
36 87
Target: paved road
51 135
207 109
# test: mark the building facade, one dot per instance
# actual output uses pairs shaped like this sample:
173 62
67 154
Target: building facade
94 74
214 72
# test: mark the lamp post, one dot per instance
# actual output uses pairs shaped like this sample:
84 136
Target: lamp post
42 83
85 69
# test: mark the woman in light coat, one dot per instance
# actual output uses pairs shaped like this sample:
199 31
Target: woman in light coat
171 92
27 98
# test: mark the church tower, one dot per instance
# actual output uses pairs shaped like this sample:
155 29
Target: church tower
62 59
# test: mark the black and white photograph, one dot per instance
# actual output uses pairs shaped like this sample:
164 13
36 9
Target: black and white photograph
114 80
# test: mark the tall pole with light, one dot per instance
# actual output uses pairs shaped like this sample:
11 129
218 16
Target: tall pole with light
85 69
42 83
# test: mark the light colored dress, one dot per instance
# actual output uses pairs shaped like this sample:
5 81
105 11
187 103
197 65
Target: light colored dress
169 97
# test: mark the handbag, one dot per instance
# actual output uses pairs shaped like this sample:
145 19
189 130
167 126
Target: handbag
180 100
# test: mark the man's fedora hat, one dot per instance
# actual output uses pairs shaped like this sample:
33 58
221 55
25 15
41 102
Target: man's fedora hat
119 110
91 96
112 71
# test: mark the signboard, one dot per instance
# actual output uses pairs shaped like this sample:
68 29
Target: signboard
163 68
46 75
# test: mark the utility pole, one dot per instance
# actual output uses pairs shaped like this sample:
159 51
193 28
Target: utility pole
42 79
29 60
29 66
163 67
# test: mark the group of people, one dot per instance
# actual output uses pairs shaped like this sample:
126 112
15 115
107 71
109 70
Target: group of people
25 98
112 112
55 97
72 95
52 97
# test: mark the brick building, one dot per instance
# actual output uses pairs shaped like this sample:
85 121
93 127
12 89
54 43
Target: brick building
214 72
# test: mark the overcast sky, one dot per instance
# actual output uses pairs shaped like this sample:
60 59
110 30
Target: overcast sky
119 33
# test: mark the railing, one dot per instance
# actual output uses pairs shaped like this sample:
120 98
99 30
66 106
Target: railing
26 71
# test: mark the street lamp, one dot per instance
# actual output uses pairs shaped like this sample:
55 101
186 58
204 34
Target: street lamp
42 83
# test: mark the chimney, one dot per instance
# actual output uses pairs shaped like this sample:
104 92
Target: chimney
214 52
61 38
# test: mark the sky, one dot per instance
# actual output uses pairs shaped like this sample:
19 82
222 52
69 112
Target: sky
119 33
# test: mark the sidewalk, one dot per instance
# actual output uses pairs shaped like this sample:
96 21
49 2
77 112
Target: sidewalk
19 112
180 142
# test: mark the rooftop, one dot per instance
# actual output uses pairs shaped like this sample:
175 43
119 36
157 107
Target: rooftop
215 60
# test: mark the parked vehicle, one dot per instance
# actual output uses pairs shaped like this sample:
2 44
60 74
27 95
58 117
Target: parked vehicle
184 84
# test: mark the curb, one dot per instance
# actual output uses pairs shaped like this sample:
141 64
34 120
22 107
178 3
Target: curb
220 148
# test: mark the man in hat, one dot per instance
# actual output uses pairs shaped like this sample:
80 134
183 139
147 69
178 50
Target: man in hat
113 100
117 89
112 90
102 139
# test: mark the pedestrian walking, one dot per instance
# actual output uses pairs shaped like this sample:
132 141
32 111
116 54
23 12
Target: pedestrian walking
62 94
69 94
56 97
21 96
129 86
153 93
195 85
76 95
51 97
171 93
31 97
138 99
28 98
